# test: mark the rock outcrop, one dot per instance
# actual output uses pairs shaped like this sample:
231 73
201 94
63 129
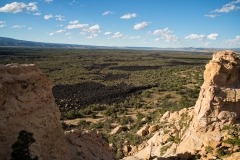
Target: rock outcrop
218 103
87 145
27 103
211 128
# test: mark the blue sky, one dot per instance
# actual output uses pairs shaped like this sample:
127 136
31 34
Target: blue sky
142 23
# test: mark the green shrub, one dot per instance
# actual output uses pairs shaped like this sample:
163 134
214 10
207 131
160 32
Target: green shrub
21 147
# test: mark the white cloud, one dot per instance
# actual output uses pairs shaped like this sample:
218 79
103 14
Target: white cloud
164 31
212 36
51 34
95 28
140 26
68 33
210 15
106 13
82 33
107 33
208 44
135 37
61 31
195 36
30 28
2 24
129 16
166 34
77 26
228 7
233 42
48 1
16 7
116 35
201 37
59 18
74 22
48 16
18 26
171 38
92 36
37 14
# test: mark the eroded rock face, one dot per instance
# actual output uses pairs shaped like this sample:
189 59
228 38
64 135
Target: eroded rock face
87 145
27 103
219 98
218 103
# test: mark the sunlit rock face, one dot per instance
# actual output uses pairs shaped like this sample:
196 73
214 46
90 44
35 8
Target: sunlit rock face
27 103
218 103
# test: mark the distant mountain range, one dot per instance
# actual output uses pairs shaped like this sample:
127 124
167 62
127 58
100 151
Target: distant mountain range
10 42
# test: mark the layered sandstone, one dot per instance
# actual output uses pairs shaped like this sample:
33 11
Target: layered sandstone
27 103
201 126
88 145
218 103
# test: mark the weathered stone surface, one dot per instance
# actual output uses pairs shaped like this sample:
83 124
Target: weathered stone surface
218 103
87 145
116 130
143 131
27 103
152 128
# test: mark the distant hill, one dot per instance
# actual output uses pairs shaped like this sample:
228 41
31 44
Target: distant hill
10 42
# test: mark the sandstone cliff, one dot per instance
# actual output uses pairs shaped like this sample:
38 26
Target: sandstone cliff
27 103
210 129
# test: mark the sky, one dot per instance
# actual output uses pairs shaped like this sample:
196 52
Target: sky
137 23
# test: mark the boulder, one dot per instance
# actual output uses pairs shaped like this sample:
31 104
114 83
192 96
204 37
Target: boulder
116 130
143 131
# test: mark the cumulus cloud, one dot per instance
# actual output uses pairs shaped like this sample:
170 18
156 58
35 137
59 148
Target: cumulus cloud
59 18
48 16
61 31
129 16
16 7
74 22
208 44
107 33
135 37
166 34
37 14
82 33
116 35
48 1
210 15
68 33
233 42
50 34
95 28
195 36
171 38
77 26
229 7
92 36
140 26
201 37
2 24
30 28
18 26
212 36
164 31
106 13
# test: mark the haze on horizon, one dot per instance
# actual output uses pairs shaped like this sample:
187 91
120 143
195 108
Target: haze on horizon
154 23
